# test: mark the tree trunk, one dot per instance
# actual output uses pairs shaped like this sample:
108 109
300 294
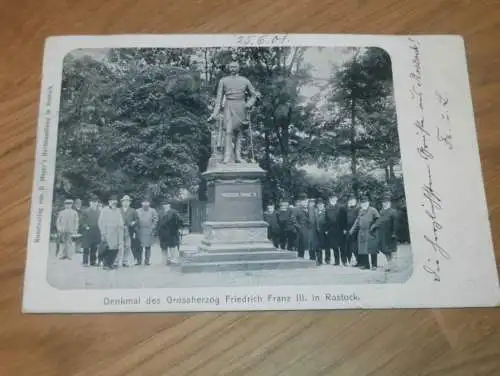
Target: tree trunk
267 148
206 68
391 172
387 174
352 144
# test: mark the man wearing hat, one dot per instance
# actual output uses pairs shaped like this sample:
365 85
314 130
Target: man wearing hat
91 235
148 221
67 227
312 229
352 240
300 223
169 232
131 220
321 244
78 207
336 230
387 228
291 236
111 225
273 229
283 218
367 241
403 229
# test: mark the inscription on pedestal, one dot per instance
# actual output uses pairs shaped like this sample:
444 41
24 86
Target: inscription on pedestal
239 194
235 235
236 202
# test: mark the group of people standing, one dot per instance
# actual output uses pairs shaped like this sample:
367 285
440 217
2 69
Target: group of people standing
355 233
116 235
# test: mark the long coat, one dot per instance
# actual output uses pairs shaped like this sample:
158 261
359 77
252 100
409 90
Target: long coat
90 227
148 220
313 239
80 213
112 226
367 240
352 215
169 227
285 221
387 227
131 220
321 229
403 228
300 220
273 226
336 224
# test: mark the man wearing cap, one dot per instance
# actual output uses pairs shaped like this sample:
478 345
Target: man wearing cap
352 240
111 225
130 220
367 241
148 221
387 229
336 230
91 235
67 226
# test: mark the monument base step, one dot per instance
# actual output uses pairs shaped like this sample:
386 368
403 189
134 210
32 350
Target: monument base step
239 256
254 265
235 247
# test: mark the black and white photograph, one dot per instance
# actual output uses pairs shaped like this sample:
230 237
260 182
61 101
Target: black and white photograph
274 165
246 165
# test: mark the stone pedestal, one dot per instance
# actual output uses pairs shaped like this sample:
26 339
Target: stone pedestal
235 234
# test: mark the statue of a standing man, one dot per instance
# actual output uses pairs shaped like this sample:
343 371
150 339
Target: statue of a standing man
234 89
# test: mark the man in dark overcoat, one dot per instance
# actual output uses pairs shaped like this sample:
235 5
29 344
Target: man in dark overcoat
312 229
283 217
387 228
91 236
321 243
79 209
169 227
336 230
291 232
352 240
403 227
301 222
273 229
367 240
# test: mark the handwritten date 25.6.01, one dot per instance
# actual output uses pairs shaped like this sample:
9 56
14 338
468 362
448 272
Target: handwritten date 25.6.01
261 40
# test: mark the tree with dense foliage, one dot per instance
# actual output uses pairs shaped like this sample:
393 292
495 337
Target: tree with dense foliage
134 121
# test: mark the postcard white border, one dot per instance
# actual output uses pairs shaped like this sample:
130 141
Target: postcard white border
468 279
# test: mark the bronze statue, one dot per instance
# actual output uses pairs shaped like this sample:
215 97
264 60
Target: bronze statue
233 90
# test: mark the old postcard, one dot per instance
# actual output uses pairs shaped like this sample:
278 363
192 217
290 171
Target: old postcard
257 172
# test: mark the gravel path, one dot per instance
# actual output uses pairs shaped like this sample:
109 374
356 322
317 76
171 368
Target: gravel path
70 274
